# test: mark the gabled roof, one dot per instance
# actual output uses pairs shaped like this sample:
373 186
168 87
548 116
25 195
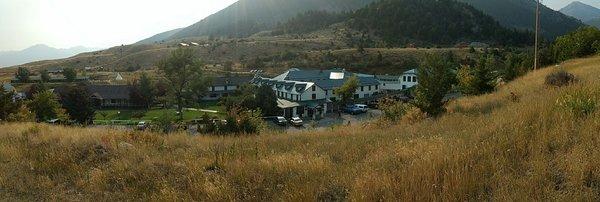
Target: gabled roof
387 77
231 81
290 86
326 79
412 71
110 91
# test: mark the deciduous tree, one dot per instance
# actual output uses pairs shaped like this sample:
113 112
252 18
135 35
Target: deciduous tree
70 74
22 75
183 73
77 103
347 90
45 105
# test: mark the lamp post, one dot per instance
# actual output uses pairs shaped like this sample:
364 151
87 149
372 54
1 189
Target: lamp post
537 29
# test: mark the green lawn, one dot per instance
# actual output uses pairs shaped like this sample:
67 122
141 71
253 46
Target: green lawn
148 115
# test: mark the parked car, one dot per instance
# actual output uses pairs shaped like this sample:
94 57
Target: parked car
142 125
280 121
362 108
356 109
296 121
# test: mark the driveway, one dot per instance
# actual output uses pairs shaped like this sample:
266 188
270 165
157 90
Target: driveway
333 120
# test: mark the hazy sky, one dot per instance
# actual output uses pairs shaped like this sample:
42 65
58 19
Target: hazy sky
106 23
95 23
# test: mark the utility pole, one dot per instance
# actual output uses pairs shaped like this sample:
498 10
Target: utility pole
537 35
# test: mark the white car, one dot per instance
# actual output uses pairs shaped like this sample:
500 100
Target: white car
363 108
296 121
142 125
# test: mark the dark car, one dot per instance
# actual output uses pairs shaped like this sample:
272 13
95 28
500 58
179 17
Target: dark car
280 121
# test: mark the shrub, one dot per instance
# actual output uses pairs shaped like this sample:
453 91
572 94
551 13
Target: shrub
138 114
414 115
164 123
580 102
398 111
560 78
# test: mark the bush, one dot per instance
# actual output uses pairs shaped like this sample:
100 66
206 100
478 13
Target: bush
237 122
581 102
414 115
398 111
560 79
138 114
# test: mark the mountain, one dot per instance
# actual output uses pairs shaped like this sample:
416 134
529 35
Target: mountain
581 11
247 17
38 52
159 37
445 22
520 14
594 22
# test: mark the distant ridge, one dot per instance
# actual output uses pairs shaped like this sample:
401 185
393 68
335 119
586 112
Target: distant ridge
37 53
158 38
581 11
520 14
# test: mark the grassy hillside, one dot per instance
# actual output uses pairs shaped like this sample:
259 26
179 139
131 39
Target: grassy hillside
485 148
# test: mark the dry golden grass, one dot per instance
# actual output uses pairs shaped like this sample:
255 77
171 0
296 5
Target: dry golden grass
486 148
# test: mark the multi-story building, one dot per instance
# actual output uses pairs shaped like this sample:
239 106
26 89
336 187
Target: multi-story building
405 81
310 93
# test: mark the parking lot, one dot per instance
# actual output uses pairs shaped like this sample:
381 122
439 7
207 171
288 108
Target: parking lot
332 119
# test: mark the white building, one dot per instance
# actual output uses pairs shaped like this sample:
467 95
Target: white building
409 79
405 81
310 93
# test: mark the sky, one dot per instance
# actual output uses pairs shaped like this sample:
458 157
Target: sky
107 23
95 23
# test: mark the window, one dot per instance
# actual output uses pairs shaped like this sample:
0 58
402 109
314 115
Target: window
404 78
362 88
414 79
314 88
327 92
369 88
226 87
314 96
377 86
403 87
212 88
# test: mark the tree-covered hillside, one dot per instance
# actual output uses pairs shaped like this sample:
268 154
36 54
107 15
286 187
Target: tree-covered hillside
520 14
439 22
310 21
247 17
